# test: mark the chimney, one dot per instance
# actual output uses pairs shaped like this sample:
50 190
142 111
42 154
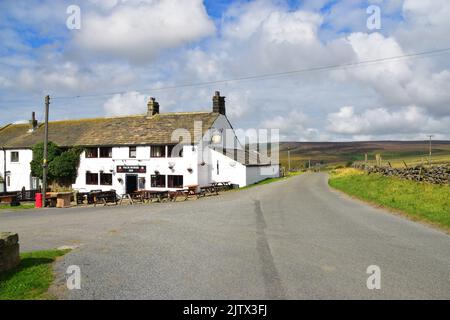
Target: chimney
218 103
153 107
33 122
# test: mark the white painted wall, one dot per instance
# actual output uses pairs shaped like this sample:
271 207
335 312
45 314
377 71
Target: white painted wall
121 157
237 173
19 172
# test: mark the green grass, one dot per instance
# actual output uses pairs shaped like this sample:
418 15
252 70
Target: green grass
419 201
32 278
271 180
21 207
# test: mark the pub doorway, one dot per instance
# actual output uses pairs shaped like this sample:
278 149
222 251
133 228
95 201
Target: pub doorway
131 183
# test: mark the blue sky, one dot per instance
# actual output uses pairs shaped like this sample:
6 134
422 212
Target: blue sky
120 50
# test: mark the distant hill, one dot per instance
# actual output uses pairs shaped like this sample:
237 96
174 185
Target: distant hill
341 153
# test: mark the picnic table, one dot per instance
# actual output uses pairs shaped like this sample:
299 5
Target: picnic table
11 199
173 195
211 189
223 185
148 195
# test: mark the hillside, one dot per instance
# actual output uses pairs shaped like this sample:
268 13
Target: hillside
340 153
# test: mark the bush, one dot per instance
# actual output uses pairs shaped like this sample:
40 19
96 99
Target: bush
62 165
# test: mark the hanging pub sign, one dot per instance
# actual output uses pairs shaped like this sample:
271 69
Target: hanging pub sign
131 169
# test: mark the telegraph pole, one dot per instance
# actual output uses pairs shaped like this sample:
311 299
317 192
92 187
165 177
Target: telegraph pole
429 157
45 161
289 159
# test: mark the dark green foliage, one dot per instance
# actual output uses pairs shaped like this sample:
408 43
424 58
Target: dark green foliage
62 165
63 168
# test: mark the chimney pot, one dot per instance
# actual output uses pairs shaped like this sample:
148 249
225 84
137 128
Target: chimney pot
152 107
33 121
218 103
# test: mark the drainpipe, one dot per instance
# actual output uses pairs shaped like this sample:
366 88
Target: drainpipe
4 169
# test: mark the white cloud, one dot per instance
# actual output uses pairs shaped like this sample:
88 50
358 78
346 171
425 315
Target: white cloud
379 121
139 30
125 104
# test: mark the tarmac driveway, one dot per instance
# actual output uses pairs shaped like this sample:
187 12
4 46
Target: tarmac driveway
293 239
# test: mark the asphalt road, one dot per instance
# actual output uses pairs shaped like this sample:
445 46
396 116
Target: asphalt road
293 239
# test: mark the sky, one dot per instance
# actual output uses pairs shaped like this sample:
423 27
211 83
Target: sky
126 51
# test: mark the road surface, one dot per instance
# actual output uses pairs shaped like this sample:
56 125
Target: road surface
293 239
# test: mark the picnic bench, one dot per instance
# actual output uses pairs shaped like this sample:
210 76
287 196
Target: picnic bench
149 195
106 197
223 185
11 199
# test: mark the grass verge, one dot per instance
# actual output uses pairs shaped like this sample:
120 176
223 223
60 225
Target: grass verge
21 207
32 278
419 201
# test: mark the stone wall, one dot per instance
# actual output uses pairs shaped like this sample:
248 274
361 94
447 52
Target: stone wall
435 175
9 251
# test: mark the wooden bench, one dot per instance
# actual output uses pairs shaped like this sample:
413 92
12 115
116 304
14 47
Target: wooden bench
11 199
106 197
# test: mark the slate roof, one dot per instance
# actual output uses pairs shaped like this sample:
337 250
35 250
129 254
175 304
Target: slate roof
129 130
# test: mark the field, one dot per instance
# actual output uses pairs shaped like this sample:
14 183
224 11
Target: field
342 153
419 201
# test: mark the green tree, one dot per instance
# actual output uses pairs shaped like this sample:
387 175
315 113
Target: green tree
38 158
64 167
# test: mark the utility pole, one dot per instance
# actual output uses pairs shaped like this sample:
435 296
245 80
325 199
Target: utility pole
309 164
45 161
289 159
429 158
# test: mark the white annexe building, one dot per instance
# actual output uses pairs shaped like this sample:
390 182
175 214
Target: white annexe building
157 151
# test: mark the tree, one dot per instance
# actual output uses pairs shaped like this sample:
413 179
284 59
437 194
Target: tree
62 165
38 158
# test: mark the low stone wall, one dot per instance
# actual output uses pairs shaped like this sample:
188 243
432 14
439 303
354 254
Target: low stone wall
435 175
9 251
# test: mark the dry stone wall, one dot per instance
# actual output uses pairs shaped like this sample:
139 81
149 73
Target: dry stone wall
435 175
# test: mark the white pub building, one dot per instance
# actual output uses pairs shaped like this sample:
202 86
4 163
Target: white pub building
156 151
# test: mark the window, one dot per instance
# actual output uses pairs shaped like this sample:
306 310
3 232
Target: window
170 150
141 183
34 183
91 178
217 167
158 181
106 179
105 152
92 153
132 152
175 181
8 181
158 152
14 156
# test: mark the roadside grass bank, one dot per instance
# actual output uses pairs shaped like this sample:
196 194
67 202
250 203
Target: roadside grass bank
418 201
271 180
32 278
21 207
